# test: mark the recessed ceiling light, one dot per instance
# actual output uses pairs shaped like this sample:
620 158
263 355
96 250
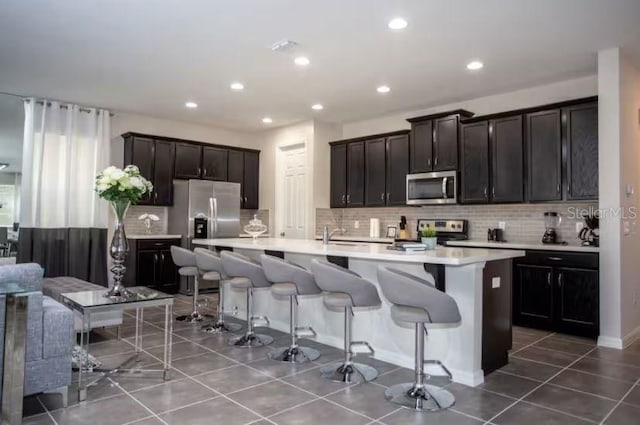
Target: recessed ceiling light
267 120
383 89
237 86
302 61
475 65
397 24
191 105
317 107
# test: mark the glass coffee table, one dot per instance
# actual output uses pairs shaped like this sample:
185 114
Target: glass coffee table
89 302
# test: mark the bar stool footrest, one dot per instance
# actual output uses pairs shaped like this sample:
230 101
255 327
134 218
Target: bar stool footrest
263 319
369 349
305 332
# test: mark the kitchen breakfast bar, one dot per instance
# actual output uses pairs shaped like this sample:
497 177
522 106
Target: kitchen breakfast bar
478 279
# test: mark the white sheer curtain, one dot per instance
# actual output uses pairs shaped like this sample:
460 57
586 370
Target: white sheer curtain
64 148
63 223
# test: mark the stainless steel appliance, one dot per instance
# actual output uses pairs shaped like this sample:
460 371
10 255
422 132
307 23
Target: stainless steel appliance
204 210
432 188
446 230
589 233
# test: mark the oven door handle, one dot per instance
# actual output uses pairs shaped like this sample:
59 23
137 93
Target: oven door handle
444 187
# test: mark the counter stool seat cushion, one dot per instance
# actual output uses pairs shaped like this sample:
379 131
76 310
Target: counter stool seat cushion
279 270
337 300
409 314
188 271
211 276
284 289
237 265
240 283
333 278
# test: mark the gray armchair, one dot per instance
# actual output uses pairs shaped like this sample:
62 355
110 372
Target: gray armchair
49 334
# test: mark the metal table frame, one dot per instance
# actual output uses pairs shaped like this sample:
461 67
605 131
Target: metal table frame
15 341
84 382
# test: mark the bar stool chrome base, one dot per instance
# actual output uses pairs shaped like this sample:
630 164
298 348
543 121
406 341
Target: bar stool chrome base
251 340
221 327
294 354
352 373
426 398
194 317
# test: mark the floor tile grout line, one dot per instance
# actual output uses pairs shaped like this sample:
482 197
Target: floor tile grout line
141 404
555 350
46 410
620 402
540 386
174 409
533 343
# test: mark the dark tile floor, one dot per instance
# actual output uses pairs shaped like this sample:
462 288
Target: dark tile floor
551 379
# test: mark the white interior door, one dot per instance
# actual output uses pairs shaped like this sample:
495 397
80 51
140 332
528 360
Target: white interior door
294 199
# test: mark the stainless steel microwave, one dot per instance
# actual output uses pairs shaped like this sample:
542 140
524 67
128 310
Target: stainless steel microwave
432 188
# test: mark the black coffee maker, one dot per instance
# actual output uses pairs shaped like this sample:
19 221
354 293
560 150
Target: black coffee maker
588 234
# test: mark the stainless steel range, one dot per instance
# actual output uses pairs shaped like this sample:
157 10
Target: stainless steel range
446 230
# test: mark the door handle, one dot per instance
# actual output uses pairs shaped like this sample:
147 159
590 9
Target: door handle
569 188
348 199
560 280
155 196
382 196
162 257
199 171
213 205
558 188
344 198
435 162
555 258
444 187
493 191
549 279
485 192
388 196
204 172
155 258
428 162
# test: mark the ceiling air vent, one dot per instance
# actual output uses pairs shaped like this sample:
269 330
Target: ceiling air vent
283 46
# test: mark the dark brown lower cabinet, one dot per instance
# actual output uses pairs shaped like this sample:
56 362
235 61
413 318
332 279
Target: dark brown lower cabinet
149 264
557 292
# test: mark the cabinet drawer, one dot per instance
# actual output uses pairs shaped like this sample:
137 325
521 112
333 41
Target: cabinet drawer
561 259
156 244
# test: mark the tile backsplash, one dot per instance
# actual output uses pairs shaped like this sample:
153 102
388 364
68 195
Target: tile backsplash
524 222
134 226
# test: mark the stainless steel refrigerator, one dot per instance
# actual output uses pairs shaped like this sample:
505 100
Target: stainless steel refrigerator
206 210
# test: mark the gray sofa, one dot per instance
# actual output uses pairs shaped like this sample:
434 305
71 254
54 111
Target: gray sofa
49 334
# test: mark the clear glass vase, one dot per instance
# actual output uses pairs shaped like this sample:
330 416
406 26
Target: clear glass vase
118 250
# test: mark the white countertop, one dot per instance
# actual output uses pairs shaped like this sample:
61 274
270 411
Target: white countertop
154 236
454 256
523 245
358 239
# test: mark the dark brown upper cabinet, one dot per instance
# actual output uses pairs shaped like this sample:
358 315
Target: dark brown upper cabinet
375 194
370 171
433 144
421 147
397 169
544 149
188 161
251 180
355 174
581 143
338 177
445 143
507 161
474 163
162 159
214 163
155 159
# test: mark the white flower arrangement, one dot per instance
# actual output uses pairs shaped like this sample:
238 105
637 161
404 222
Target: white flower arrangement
116 185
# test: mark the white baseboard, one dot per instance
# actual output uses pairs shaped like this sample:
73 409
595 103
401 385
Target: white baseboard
631 337
620 343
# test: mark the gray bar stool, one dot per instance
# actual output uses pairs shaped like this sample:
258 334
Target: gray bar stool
186 261
417 301
210 265
246 274
291 280
346 289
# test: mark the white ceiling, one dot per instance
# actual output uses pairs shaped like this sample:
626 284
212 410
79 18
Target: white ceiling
149 56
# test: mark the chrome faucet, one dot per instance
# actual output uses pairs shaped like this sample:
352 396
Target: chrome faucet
326 235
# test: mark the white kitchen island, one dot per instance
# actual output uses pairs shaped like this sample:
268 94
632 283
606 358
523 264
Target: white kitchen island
469 275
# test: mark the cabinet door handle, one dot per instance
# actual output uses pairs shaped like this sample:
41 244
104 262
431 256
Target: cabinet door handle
569 188
344 198
155 196
204 172
549 279
435 161
199 171
382 196
560 280
429 162
558 188
555 258
155 258
485 192
162 257
388 196
348 199
493 191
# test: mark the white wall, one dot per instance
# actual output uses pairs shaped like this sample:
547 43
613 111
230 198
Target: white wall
619 164
323 134
539 95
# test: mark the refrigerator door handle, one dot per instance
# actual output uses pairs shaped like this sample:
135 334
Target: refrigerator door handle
213 205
